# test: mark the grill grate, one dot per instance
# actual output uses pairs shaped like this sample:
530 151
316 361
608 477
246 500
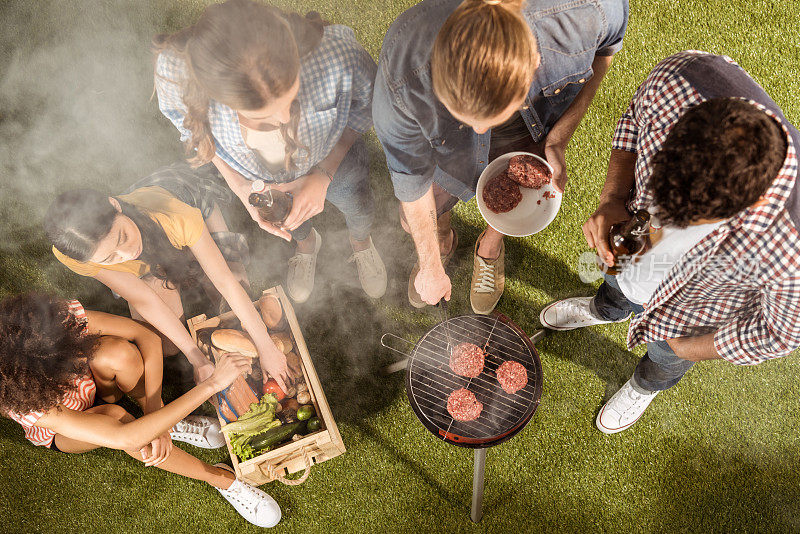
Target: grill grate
430 379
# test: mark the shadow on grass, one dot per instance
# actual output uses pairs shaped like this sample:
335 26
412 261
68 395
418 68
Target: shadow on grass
413 465
711 490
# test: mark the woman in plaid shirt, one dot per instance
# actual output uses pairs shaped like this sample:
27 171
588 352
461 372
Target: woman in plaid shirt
707 150
273 96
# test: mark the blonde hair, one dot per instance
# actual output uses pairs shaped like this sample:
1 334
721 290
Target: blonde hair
484 57
244 55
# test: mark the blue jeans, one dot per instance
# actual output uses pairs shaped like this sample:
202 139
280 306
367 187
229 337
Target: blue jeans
660 368
351 193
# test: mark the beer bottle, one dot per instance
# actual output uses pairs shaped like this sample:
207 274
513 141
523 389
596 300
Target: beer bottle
273 205
627 240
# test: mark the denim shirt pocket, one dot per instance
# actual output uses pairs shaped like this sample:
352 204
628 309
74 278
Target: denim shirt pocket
567 88
442 136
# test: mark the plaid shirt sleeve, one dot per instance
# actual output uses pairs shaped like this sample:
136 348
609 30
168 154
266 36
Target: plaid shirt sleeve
627 132
364 71
169 71
771 331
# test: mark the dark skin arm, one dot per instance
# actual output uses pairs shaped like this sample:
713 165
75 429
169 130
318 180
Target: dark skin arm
611 206
148 342
695 349
109 432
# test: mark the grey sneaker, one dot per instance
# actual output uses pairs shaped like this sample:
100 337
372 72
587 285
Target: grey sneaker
371 270
571 313
302 267
198 430
252 504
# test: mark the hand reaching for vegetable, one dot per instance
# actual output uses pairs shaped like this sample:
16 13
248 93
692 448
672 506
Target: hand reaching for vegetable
228 369
273 362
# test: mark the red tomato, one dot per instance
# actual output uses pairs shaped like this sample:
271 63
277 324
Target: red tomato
271 386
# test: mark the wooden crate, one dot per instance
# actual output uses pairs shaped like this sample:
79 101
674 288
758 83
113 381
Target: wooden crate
297 455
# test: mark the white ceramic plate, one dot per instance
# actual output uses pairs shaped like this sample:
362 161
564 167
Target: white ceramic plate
530 216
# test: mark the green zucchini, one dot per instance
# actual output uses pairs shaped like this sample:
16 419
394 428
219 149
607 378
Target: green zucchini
274 436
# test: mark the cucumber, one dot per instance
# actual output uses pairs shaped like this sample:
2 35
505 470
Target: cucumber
274 436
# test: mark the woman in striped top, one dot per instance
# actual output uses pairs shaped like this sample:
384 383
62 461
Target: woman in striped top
57 361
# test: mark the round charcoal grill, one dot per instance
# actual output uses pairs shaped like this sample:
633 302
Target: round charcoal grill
429 382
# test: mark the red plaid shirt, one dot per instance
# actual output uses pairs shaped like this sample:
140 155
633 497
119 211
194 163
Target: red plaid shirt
742 280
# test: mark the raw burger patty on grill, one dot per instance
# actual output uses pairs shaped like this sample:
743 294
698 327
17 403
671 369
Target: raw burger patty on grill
463 406
467 360
501 193
528 171
512 376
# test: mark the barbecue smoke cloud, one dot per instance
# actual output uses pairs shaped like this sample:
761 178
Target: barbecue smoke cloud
75 84
75 111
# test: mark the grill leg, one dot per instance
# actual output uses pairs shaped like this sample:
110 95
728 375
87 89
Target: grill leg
477 485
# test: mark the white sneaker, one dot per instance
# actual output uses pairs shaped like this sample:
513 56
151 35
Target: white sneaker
371 270
571 313
198 430
253 504
623 409
300 279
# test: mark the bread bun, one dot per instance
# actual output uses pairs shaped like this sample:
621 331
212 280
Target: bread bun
230 340
272 312
293 362
282 341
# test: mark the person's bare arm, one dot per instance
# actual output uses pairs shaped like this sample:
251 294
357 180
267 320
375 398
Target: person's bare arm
158 314
695 349
109 432
213 263
149 344
241 188
339 151
559 136
611 207
432 282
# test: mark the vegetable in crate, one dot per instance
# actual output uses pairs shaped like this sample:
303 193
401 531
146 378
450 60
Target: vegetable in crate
256 419
304 397
291 404
313 424
305 412
276 436
271 387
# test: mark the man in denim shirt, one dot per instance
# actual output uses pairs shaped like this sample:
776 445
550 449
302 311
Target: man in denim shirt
436 151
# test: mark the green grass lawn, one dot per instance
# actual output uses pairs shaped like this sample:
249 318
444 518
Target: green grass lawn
718 452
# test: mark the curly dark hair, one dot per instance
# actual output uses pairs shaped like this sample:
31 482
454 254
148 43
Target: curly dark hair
43 349
719 158
78 220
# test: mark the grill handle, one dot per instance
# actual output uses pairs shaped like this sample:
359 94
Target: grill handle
389 334
399 365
